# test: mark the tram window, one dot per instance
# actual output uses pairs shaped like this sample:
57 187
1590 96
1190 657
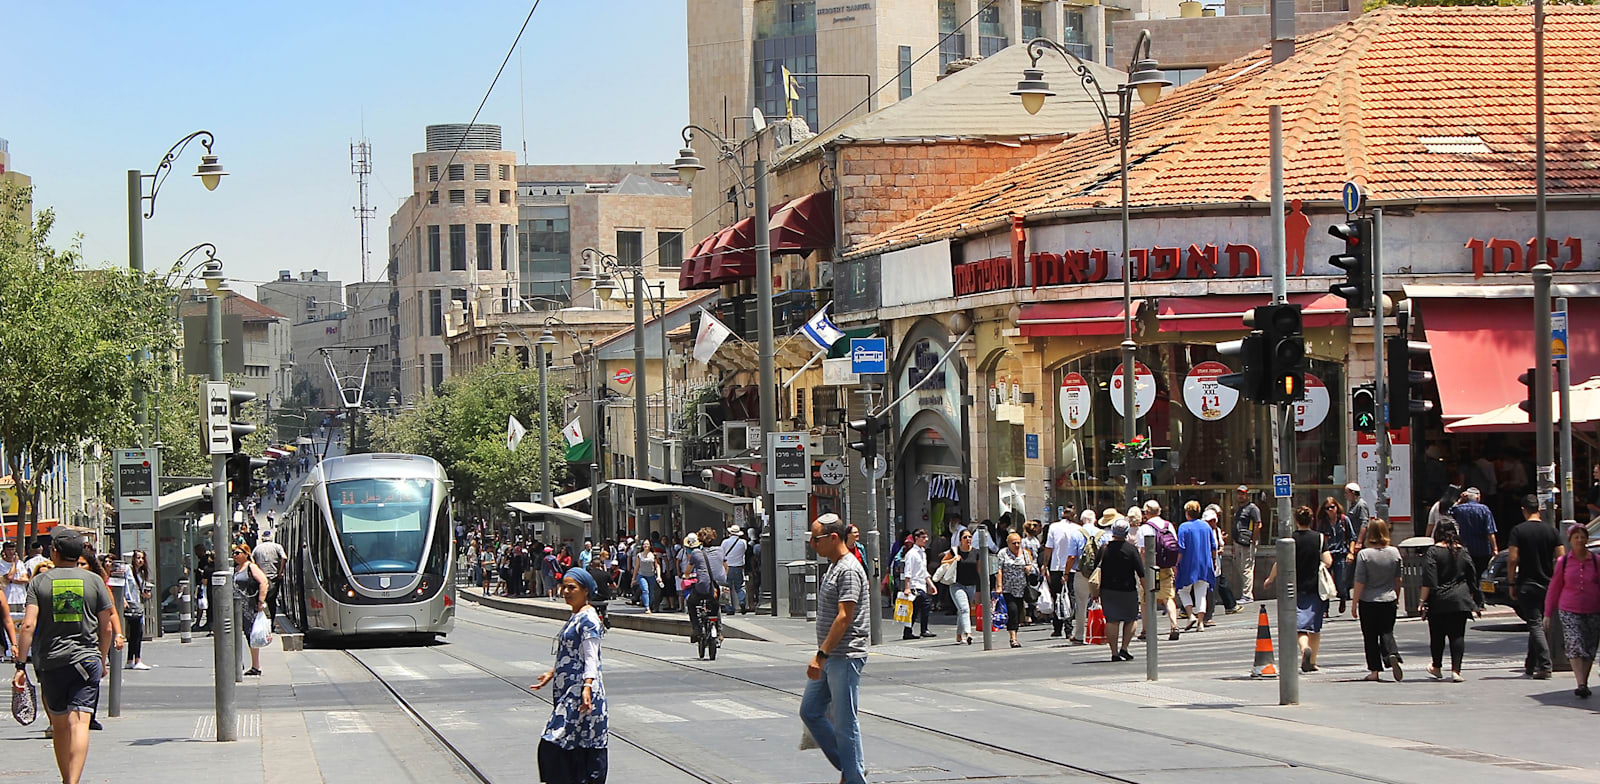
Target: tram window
439 548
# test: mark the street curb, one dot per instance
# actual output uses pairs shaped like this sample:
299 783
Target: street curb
638 622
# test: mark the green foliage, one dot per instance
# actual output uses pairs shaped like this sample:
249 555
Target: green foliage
464 428
176 408
68 345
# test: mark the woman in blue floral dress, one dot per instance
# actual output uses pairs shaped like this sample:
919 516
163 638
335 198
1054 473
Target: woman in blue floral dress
573 748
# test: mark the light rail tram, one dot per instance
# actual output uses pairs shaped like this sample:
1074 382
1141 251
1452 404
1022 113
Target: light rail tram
371 545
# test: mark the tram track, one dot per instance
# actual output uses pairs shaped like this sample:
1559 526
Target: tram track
1103 775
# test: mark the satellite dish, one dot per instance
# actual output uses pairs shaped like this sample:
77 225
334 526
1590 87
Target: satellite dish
758 121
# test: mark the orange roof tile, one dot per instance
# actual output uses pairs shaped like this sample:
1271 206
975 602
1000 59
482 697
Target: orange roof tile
1357 100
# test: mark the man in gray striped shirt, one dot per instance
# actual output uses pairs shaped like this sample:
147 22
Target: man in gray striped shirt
831 703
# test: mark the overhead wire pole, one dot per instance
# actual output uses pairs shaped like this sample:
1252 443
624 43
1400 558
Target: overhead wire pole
1282 434
224 658
1380 384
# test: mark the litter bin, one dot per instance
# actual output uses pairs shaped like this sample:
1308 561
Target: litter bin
802 589
1412 551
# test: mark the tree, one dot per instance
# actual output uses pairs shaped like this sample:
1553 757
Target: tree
68 348
183 450
463 427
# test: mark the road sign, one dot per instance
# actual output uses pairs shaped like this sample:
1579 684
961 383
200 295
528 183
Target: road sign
1558 334
1281 488
136 479
869 355
879 467
832 471
1031 442
622 376
214 410
1353 197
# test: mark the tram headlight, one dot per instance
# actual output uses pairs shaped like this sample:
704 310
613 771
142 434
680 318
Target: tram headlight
422 588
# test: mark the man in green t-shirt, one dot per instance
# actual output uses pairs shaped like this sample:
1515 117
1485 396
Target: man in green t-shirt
66 632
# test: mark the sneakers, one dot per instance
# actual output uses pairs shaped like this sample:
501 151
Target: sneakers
252 672
1124 655
1455 677
1582 692
1235 610
140 666
1541 675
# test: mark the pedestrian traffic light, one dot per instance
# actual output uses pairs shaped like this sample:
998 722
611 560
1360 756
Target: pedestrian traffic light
1251 380
1281 326
1402 379
237 424
1529 405
868 434
1356 261
1363 409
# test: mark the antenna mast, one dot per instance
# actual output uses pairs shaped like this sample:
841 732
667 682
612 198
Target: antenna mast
361 167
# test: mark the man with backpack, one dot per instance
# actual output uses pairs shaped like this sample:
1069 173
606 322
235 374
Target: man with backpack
1166 558
1242 542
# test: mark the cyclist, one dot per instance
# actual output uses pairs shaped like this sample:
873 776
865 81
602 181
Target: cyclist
703 589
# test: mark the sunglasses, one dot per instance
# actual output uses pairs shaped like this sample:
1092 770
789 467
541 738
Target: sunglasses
820 537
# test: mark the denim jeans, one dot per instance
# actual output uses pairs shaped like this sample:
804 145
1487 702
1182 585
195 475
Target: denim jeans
647 589
733 600
829 707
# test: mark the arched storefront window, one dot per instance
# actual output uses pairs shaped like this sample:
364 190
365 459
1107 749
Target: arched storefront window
1003 412
930 481
1206 440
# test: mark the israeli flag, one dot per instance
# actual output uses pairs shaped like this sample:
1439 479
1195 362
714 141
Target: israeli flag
822 330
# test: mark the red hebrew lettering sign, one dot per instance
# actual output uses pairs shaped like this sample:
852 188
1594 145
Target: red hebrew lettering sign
1497 255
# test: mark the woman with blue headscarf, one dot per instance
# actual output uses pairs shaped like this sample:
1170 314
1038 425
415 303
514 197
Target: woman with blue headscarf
573 747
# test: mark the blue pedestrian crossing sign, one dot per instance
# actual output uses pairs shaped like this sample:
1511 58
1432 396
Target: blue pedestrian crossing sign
1352 198
1281 487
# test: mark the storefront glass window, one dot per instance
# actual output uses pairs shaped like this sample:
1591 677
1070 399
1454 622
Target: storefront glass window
1004 411
1199 454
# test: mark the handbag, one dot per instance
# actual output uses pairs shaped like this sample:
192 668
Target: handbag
945 574
1326 588
1094 584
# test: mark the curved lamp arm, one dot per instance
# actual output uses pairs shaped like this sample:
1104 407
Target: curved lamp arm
209 262
725 151
164 169
1037 48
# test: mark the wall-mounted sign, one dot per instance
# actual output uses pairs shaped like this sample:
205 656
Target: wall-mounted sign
1075 400
1144 390
623 376
1205 396
1309 413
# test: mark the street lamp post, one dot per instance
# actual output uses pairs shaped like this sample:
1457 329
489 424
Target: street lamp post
597 264
1146 80
687 166
210 173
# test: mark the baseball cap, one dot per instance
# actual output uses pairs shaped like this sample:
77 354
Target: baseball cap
1242 488
66 536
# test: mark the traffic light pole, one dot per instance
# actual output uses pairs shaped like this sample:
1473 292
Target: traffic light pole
1282 442
1568 512
1380 393
224 660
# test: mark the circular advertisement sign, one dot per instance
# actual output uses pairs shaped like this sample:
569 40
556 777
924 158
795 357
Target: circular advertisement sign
623 376
1076 396
1144 390
1309 413
1204 394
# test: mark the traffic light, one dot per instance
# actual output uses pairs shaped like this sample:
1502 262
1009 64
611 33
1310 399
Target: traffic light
868 433
1281 327
240 466
1528 405
1402 377
237 424
1251 380
1356 261
1364 409
241 474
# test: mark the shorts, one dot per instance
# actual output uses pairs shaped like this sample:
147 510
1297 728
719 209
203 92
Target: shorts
1166 589
65 689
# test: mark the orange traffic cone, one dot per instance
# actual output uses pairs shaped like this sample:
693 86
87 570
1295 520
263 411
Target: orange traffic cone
1263 668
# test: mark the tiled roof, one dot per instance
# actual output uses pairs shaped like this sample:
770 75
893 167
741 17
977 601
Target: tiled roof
233 304
1360 101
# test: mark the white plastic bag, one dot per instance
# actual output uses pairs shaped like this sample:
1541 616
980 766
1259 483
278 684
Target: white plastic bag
1046 604
260 631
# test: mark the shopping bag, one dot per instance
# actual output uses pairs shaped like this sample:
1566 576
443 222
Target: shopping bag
1046 605
999 614
25 702
1095 627
260 631
902 609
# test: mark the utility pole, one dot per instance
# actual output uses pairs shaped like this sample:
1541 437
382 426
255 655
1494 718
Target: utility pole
1568 511
1543 426
768 373
1282 434
641 397
224 659
544 429
1380 501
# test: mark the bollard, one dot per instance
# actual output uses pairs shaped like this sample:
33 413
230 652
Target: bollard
185 611
114 661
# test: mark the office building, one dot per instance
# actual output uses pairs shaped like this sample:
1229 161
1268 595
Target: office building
316 317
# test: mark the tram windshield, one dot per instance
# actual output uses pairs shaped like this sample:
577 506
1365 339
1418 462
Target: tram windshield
382 523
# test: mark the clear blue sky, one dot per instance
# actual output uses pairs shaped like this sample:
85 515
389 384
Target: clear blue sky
100 88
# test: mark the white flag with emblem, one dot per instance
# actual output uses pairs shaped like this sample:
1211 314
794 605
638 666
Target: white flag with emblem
822 330
573 432
514 433
712 334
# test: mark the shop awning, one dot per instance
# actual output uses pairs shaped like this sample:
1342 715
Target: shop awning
692 262
581 451
722 502
733 256
1077 318
574 498
1510 418
803 225
841 347
1225 312
1480 345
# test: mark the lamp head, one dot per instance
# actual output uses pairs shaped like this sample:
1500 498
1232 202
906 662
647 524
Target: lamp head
210 172
585 272
500 342
1148 80
687 165
211 275
1033 89
547 338
606 287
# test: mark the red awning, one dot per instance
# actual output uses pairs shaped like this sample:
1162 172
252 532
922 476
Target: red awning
725 476
692 262
750 480
1225 312
803 225
1480 347
1079 318
733 255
